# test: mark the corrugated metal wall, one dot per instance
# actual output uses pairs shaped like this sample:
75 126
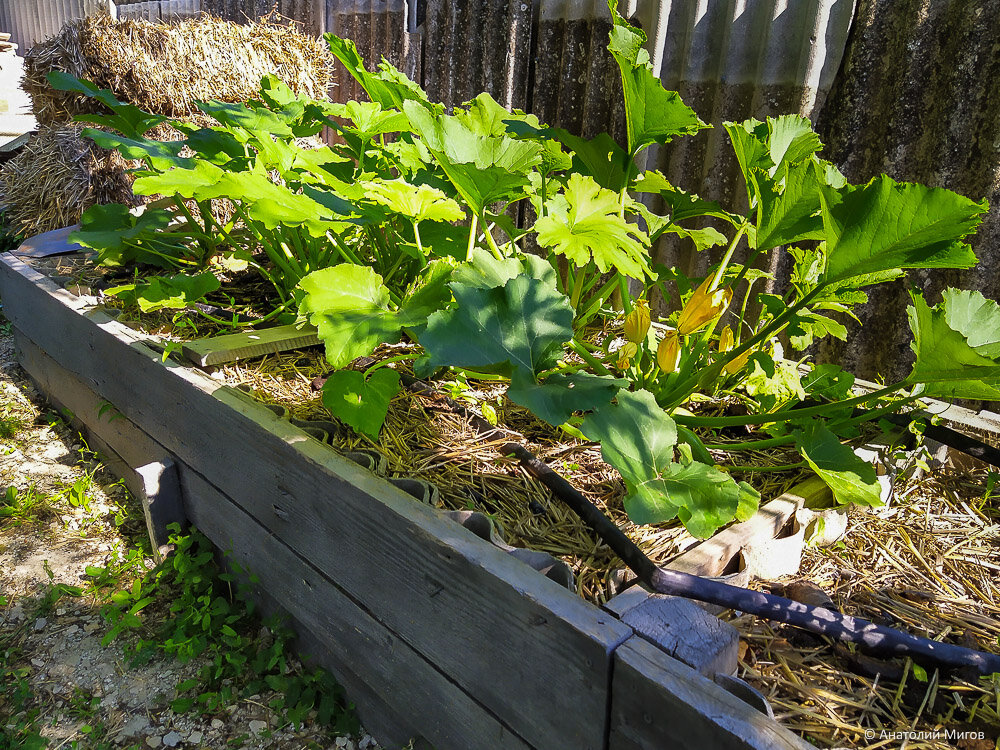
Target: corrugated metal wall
30 21
160 10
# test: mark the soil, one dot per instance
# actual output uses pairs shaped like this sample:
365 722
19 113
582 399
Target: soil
76 682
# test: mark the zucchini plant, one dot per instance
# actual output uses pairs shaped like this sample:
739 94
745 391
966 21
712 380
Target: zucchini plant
404 228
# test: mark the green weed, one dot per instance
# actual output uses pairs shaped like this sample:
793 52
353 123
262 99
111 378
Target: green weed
211 616
23 506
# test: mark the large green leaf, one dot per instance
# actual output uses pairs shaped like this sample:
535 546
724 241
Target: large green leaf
415 202
484 270
652 114
852 480
599 157
584 224
976 318
361 402
637 438
128 119
788 211
389 86
349 305
523 324
253 120
945 361
159 154
557 398
682 205
167 293
112 230
887 225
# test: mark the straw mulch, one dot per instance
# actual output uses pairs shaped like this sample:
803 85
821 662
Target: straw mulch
423 439
930 565
164 68
56 176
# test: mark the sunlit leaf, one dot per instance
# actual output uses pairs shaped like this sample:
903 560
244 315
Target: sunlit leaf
361 402
852 480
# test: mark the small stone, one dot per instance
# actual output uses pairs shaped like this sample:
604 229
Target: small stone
38 663
217 724
16 613
40 624
195 737
60 611
257 726
172 739
153 741
135 726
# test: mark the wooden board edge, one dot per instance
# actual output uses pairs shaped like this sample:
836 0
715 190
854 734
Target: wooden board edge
586 636
385 723
657 702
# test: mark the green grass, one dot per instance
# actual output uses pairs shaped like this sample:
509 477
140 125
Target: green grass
27 506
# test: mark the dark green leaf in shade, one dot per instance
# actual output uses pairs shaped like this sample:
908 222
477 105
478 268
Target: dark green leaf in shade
559 396
361 402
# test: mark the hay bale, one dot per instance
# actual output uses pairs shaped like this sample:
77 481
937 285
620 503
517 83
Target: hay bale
165 68
56 176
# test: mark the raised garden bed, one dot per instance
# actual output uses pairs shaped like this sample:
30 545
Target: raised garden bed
434 632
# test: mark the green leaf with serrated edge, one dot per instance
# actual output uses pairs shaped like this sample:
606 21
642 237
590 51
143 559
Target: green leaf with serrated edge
599 157
523 324
787 211
216 145
682 205
749 502
370 119
359 402
349 305
886 225
584 224
945 362
559 396
256 119
828 382
160 154
791 140
128 119
975 317
415 202
807 326
389 87
430 293
637 438
174 292
852 480
652 114
487 272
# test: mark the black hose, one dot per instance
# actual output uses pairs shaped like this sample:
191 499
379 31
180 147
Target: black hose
873 638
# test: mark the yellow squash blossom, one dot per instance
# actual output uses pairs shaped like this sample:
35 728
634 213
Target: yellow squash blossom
637 322
668 353
626 354
703 307
726 339
726 343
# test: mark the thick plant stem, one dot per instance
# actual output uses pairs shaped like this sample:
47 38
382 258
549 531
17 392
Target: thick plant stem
589 358
472 237
728 257
782 416
874 638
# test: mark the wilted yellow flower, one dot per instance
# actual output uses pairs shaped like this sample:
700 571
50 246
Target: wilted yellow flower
726 339
637 322
738 364
626 354
703 307
668 353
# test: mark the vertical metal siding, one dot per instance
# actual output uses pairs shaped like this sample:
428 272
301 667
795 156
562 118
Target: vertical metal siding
471 46
31 21
160 10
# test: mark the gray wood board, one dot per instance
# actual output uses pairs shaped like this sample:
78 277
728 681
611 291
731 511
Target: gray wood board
657 703
711 556
218 350
325 616
359 645
536 654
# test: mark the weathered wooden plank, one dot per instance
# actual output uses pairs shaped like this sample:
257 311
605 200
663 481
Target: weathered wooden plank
711 556
162 504
681 628
358 644
393 674
657 703
537 655
233 346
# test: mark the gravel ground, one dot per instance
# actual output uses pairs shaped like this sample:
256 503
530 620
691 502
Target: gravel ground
77 683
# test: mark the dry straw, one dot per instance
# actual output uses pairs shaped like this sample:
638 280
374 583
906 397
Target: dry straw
165 68
56 176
